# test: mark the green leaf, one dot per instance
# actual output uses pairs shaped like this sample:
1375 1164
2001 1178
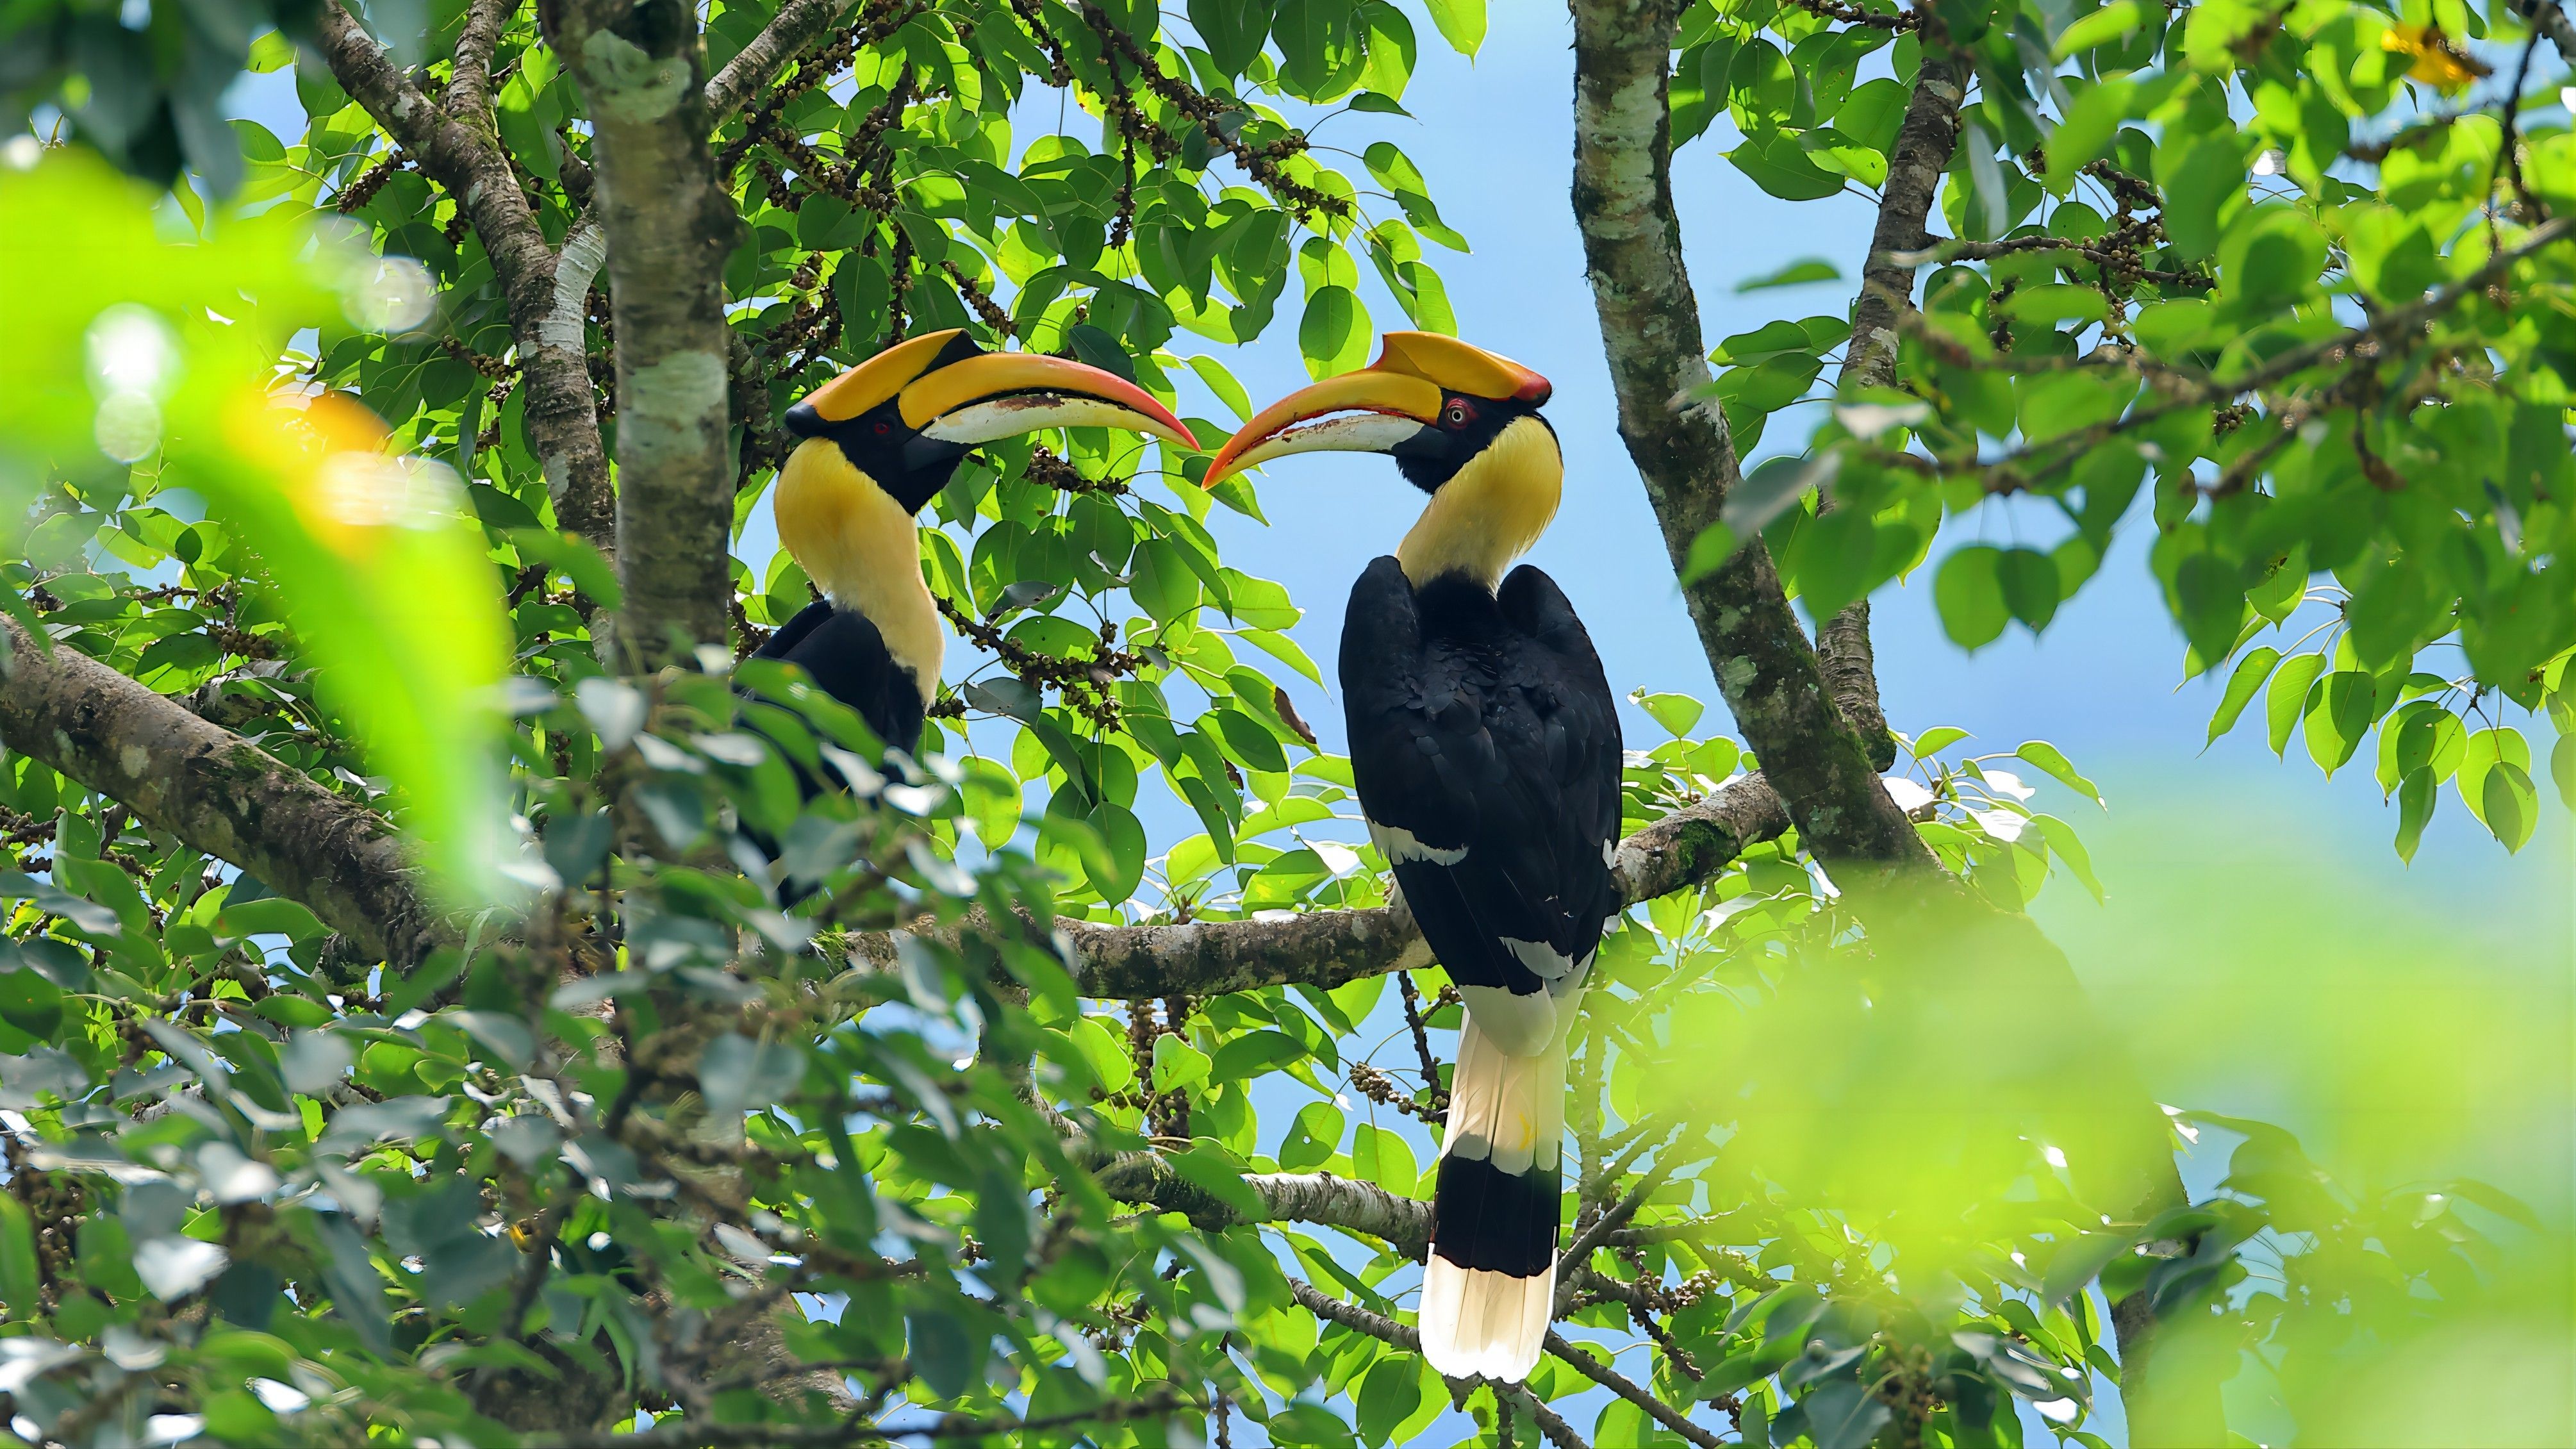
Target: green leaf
1797 273
1844 1415
2053 760
1312 1138
1774 161
20 1277
1333 335
2029 580
1212 1172
1232 30
1097 347
2053 302
2421 735
1677 713
1284 649
1461 22
237 1416
2512 804
1223 384
1381 1157
2338 713
2248 677
1177 1064
573 557
1933 741
31 1003
1115 869
1389 1395
2070 852
1250 742
948 1356
1970 594
2109 23
2486 750
2205 187
1873 112
2562 769
268 916
2288 697
2416 797
674 806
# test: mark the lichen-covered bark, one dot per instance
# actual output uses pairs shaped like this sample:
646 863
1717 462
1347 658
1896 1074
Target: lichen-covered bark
1925 142
2550 19
1771 679
798 24
670 224
219 793
1650 329
1302 1197
1330 948
459 148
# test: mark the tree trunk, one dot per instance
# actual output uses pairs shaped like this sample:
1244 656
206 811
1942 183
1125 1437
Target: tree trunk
670 224
1813 739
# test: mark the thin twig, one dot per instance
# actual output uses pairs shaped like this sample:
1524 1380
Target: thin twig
1620 1384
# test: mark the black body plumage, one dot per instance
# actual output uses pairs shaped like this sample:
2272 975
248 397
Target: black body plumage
1481 722
848 659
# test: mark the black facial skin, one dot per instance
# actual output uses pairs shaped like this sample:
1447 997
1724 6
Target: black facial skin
1465 427
909 467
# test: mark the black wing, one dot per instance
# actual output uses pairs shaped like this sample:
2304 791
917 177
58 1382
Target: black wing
846 655
1485 746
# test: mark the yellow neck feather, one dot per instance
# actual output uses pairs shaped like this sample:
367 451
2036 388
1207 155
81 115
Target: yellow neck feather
1491 511
862 550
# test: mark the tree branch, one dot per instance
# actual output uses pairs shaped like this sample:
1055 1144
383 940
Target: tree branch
1620 1384
670 225
798 24
1658 363
1925 142
1650 332
469 84
2550 19
1406 1337
1157 1401
2180 391
1286 1197
219 794
463 154
1331 948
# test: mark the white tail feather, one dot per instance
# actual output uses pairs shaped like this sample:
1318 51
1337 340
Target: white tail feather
1510 1110
1488 1324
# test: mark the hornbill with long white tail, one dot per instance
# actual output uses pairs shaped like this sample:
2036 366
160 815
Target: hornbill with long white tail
1485 747
880 441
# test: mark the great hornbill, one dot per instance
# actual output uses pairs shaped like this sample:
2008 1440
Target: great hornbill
1485 747
880 442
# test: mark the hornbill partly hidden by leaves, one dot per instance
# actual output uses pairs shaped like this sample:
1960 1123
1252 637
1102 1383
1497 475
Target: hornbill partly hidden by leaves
1485 745
880 441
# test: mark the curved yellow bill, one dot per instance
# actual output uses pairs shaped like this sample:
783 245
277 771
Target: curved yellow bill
1367 411
1002 394
1459 366
880 377
951 390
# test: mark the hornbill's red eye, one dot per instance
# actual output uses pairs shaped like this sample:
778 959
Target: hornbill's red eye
1457 415
883 427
